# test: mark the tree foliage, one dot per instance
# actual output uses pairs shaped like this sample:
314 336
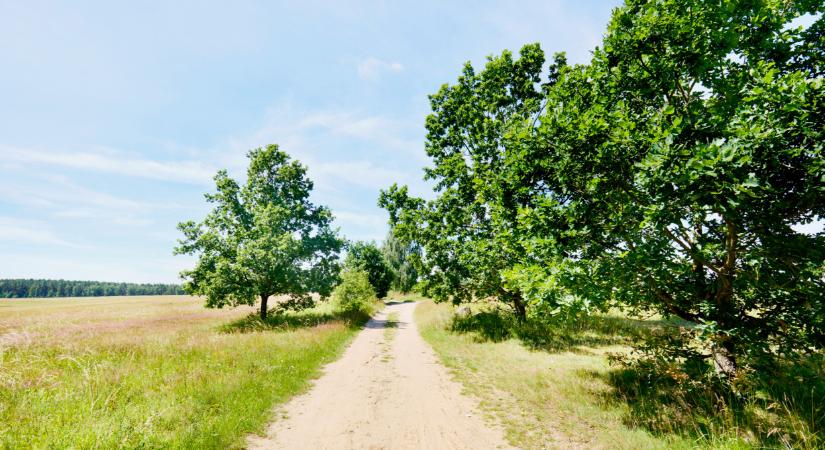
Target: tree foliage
262 239
401 258
20 288
666 175
466 232
355 292
367 257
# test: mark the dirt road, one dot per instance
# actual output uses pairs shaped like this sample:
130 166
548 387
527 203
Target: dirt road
387 391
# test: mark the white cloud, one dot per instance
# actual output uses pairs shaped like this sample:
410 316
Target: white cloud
312 137
63 199
359 173
375 221
29 232
114 163
372 68
293 129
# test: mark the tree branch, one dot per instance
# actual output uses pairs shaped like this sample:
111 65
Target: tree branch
690 251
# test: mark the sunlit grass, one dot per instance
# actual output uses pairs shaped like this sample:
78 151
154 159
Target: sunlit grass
151 372
399 297
542 399
554 387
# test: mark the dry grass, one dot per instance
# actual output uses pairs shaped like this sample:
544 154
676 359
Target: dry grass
552 386
543 399
150 372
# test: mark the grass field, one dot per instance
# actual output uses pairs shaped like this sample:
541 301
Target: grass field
559 391
152 372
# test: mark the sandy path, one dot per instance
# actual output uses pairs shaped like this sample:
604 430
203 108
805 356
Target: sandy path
383 395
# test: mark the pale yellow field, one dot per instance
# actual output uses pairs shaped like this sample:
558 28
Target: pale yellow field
44 320
152 371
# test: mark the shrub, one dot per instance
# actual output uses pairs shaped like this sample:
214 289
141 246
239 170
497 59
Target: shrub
368 257
354 293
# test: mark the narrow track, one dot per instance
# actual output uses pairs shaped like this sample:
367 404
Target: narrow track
388 391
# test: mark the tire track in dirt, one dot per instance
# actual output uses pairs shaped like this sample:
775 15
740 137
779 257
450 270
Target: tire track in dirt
383 395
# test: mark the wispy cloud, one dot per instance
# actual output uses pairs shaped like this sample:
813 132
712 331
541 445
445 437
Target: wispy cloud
358 173
313 136
380 130
20 231
367 220
114 163
290 127
60 198
372 69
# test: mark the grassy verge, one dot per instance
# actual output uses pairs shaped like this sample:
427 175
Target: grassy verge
390 330
400 297
554 388
391 327
152 372
543 399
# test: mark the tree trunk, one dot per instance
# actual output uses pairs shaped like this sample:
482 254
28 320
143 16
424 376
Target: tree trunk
724 359
264 298
520 308
724 350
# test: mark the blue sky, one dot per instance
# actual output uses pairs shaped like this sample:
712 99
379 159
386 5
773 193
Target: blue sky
114 116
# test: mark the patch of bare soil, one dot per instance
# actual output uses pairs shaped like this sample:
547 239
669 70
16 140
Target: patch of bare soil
383 395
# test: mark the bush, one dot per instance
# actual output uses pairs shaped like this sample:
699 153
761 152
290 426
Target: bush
366 256
354 293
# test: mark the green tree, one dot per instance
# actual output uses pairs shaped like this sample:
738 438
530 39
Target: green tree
665 175
466 232
262 239
354 293
668 173
366 256
401 257
67 288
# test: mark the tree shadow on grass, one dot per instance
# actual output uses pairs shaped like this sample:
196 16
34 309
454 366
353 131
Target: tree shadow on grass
552 336
778 407
781 407
282 321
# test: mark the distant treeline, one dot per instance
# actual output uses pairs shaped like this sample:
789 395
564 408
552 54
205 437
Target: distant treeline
66 288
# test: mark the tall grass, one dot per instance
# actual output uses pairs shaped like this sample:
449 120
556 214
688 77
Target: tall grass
552 385
156 372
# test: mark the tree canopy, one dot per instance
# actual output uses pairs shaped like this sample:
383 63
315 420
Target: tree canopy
466 232
262 239
666 175
400 257
367 257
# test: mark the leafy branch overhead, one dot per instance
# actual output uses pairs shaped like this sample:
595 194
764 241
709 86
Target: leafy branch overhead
665 175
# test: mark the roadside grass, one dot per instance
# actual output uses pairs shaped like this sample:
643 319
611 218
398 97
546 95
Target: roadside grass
390 330
553 387
391 326
319 315
400 297
153 372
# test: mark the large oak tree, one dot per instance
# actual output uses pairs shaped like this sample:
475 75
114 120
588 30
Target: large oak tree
465 233
666 175
262 239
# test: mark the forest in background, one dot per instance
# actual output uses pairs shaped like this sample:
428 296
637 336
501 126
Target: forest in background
28 288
